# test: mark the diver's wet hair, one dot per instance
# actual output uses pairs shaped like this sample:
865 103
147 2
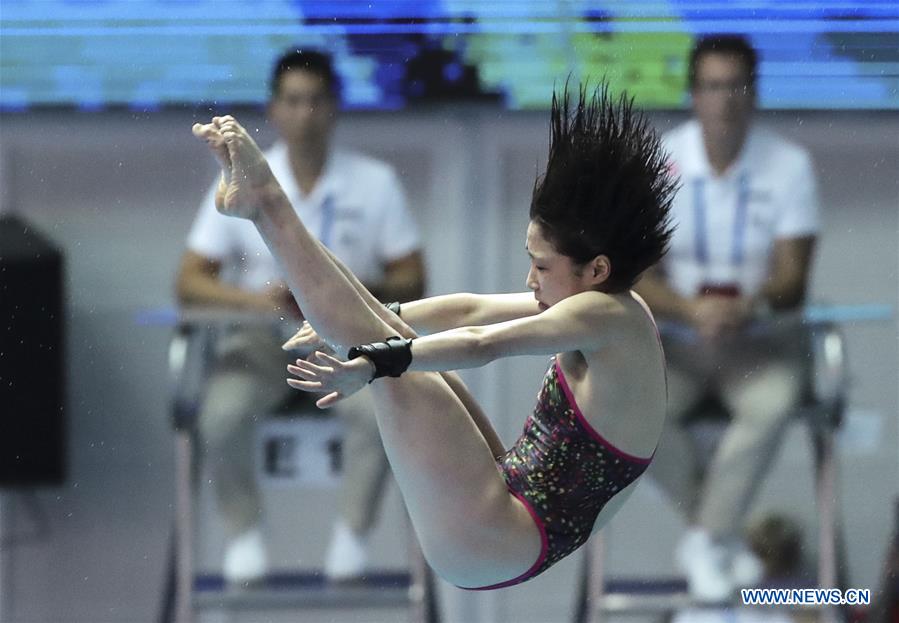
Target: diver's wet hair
607 188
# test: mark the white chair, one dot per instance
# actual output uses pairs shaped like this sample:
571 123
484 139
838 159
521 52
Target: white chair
822 409
185 593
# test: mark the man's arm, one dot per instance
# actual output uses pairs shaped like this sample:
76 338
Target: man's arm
783 290
661 298
787 281
710 315
404 280
198 283
373 302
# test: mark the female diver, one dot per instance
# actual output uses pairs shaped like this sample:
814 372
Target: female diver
488 517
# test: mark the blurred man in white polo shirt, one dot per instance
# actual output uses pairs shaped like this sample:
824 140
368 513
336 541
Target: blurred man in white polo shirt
357 207
747 219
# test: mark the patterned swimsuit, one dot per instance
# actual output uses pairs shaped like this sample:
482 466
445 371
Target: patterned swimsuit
563 472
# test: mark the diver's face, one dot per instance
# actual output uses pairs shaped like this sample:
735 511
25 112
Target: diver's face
303 110
552 276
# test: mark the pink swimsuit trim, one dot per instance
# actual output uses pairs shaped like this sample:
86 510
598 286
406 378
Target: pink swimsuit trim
590 430
544 547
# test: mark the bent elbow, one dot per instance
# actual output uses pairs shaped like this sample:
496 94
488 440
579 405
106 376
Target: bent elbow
482 345
182 290
468 309
790 300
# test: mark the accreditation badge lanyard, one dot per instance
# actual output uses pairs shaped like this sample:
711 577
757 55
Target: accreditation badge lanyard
701 233
327 221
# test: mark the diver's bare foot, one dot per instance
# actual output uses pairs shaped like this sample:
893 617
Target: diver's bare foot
246 178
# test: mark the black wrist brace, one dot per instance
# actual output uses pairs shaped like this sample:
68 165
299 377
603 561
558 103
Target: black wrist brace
391 357
394 307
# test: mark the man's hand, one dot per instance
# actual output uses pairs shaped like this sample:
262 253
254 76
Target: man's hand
330 376
246 177
714 315
280 300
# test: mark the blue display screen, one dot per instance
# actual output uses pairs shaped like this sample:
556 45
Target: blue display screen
148 54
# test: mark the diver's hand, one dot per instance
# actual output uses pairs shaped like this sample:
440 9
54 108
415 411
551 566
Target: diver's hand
306 339
325 374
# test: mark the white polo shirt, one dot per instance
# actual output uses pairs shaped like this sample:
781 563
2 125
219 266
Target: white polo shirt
357 209
727 225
